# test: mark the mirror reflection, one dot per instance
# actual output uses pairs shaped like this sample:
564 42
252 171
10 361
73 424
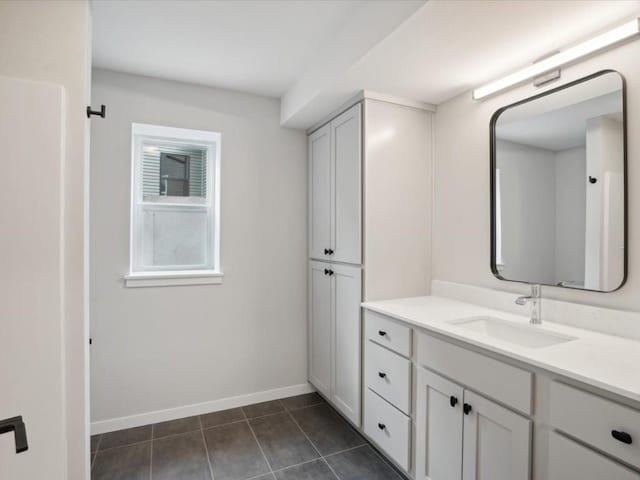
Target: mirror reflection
558 187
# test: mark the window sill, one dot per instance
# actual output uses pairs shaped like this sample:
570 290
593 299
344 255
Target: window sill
170 279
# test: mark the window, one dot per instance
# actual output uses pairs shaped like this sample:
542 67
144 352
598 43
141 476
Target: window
175 207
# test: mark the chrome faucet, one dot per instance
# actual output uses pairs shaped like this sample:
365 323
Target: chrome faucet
536 304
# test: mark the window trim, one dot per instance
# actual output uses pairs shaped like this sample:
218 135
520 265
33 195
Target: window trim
212 142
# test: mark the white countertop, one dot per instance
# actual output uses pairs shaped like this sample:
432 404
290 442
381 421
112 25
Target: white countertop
603 361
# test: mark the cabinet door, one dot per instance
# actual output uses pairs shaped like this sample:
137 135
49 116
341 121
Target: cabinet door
438 428
497 442
568 459
347 294
320 193
320 327
346 147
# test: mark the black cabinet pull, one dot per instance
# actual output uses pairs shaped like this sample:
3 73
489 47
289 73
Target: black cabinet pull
382 426
382 333
16 425
623 437
382 374
453 401
328 272
328 251
466 408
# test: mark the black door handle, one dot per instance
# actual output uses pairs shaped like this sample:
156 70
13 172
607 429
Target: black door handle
623 437
453 401
328 251
328 271
382 374
16 425
382 426
466 408
382 333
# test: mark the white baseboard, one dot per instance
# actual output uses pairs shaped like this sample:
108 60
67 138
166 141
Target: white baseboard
104 426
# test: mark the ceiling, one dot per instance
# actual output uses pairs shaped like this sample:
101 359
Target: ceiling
257 46
315 54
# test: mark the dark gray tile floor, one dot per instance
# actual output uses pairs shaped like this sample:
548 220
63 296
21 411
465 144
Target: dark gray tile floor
296 438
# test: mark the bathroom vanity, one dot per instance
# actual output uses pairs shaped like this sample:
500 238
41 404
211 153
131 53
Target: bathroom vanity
458 391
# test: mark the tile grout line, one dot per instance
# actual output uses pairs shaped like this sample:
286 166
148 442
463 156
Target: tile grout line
346 450
95 454
151 455
313 445
171 435
385 461
206 448
255 437
125 445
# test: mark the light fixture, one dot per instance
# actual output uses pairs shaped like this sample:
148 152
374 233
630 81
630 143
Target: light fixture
569 55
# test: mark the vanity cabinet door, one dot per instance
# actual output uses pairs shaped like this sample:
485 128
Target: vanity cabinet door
346 293
497 442
320 327
568 459
438 428
320 193
346 149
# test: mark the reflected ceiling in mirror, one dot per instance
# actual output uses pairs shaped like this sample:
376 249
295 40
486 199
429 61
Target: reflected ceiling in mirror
558 186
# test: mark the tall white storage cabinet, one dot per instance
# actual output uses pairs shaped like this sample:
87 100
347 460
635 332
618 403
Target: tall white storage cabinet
335 246
369 238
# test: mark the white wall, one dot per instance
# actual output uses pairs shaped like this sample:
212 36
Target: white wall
528 205
51 42
397 193
571 181
461 243
167 347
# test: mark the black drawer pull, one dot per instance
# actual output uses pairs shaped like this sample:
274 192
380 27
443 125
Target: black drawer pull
16 425
382 374
382 426
453 401
623 437
382 333
466 408
328 251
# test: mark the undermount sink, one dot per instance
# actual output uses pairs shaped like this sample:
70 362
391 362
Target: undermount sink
525 335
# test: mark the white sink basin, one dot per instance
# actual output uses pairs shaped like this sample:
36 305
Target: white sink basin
525 335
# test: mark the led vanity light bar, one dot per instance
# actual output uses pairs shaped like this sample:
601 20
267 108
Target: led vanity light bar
604 40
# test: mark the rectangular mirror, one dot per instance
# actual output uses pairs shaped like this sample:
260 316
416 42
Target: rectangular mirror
558 186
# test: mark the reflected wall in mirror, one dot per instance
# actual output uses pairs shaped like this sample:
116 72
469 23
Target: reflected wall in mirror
558 186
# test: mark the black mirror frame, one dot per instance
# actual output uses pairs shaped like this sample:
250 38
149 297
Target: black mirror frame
492 169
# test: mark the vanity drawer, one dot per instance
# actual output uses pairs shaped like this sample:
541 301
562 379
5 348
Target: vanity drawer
593 420
388 427
389 375
388 332
505 383
568 459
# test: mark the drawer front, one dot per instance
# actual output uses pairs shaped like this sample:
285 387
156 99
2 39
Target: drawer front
567 459
389 375
593 419
388 427
387 332
505 383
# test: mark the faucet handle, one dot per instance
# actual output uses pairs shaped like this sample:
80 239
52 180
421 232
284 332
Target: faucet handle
536 290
